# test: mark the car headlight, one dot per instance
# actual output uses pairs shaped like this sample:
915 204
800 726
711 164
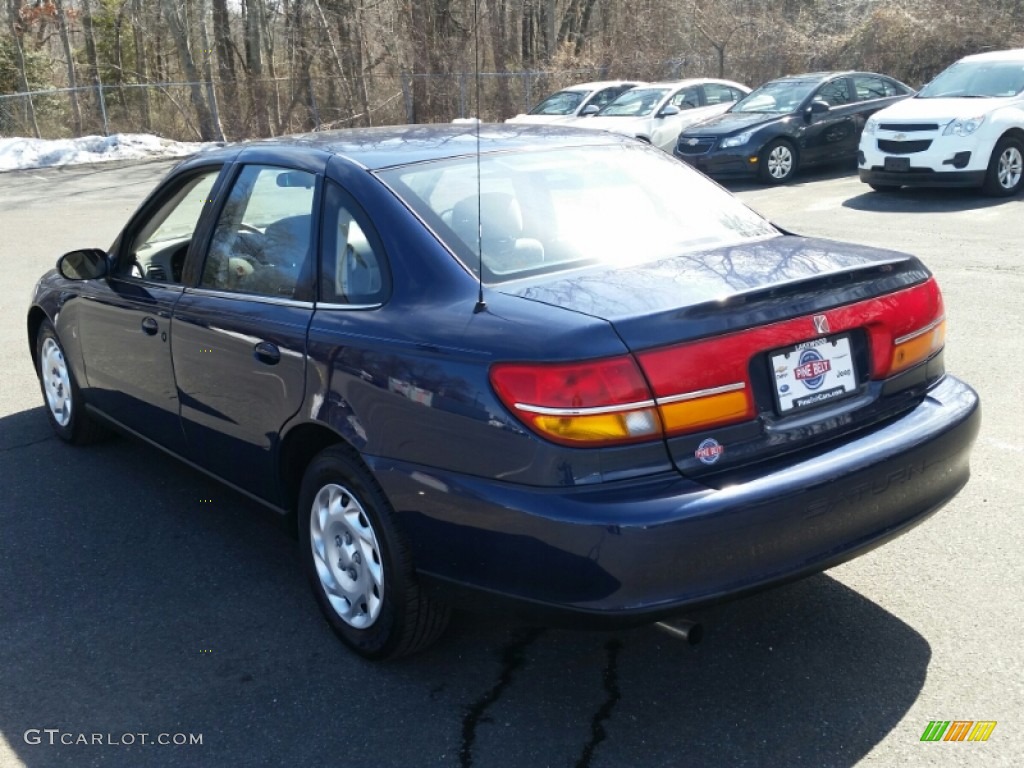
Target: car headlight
871 125
964 126
736 141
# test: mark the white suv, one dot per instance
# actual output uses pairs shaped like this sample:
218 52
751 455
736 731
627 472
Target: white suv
964 129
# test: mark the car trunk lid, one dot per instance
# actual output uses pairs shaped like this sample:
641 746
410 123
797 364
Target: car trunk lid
746 347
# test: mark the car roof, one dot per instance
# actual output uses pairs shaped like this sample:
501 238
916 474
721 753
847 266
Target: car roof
387 146
691 81
819 75
598 84
1015 54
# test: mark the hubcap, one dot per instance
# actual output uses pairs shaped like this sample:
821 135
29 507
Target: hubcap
1011 166
56 382
780 162
347 556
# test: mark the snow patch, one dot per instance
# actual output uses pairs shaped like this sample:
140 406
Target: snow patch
19 153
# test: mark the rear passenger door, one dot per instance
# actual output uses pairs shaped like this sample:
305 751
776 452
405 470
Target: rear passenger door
239 334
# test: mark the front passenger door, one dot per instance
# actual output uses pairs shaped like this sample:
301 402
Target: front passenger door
125 327
831 135
240 335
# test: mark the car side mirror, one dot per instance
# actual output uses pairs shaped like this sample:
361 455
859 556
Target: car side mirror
817 108
668 110
83 264
590 109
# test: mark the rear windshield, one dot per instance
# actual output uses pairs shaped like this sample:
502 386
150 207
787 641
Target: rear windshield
549 211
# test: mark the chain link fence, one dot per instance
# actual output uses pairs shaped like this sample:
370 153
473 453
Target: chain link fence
277 106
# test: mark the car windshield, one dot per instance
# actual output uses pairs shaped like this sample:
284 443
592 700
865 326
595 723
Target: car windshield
977 80
777 97
638 102
548 211
561 103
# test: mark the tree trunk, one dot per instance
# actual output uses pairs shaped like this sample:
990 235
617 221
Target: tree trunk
226 68
17 35
141 65
254 65
211 93
65 40
179 33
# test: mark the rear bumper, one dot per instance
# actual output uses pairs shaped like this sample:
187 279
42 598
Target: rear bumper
639 550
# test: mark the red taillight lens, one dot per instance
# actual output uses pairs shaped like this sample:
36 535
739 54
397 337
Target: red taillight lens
598 402
918 331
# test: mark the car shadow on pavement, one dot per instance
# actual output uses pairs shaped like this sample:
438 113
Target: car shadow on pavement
140 597
806 176
925 200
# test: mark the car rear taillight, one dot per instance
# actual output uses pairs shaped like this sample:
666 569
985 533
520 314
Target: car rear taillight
694 386
597 402
920 330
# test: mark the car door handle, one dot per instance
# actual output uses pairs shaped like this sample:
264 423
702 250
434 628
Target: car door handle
149 326
267 353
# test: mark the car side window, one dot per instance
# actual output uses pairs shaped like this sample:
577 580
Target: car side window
262 243
714 93
834 93
353 269
605 96
868 88
688 98
159 245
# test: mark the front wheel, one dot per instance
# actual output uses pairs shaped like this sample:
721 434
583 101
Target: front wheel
65 407
357 563
778 162
1005 174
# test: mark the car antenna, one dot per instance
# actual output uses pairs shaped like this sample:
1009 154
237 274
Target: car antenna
481 305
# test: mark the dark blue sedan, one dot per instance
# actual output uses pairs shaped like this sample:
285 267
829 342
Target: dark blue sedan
794 122
555 369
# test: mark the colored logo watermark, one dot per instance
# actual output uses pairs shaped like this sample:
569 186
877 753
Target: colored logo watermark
958 730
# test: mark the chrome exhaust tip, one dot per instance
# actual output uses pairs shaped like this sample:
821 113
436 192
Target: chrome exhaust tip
681 629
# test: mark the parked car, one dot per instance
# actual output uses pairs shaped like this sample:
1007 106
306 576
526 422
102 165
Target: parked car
575 101
790 123
656 113
964 129
603 403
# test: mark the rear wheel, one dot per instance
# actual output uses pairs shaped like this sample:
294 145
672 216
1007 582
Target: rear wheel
65 406
357 563
778 162
1005 174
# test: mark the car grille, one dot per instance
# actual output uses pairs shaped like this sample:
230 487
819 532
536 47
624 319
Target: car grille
908 127
903 147
696 145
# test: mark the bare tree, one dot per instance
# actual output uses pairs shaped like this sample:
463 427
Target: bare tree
208 130
18 40
65 39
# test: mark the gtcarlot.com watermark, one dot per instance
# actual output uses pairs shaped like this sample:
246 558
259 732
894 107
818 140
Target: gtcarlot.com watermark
56 736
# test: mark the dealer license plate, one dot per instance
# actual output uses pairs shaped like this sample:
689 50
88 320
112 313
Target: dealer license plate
897 164
813 373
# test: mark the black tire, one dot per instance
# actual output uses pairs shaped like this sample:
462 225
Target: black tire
884 187
62 399
361 554
1005 175
778 162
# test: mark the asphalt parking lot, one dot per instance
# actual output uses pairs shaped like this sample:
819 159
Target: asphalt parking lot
139 597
